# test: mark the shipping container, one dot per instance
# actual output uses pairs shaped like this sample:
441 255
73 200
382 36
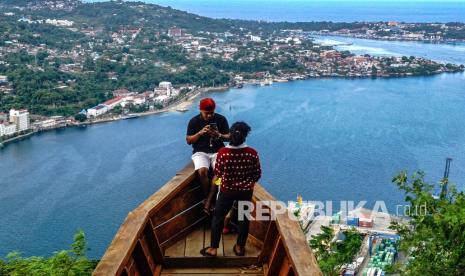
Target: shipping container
351 221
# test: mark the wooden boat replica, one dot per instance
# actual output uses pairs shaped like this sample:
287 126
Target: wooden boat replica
163 236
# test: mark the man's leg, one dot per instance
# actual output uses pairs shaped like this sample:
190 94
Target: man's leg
204 180
201 164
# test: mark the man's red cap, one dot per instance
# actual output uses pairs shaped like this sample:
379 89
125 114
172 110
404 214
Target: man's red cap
207 104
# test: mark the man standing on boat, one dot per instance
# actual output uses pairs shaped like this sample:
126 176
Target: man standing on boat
206 133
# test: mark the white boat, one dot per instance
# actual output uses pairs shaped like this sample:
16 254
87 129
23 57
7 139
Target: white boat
129 116
266 82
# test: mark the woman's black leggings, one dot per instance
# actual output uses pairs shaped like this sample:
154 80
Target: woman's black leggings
223 205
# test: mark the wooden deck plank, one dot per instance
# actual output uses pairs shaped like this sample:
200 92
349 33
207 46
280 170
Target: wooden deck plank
251 250
194 243
177 249
208 240
203 262
208 274
212 270
228 242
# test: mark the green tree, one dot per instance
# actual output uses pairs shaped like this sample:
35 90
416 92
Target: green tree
435 237
80 117
65 262
330 254
117 109
374 71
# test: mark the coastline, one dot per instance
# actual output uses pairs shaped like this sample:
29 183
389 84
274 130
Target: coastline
426 41
182 104
16 138
178 106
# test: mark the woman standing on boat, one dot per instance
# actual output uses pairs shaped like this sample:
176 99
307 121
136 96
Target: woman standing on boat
238 166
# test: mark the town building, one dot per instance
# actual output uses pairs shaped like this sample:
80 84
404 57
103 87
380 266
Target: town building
97 110
330 54
122 92
165 88
255 38
139 99
112 103
59 23
20 118
3 80
7 129
175 32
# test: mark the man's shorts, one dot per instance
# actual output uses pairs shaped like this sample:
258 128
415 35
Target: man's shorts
204 160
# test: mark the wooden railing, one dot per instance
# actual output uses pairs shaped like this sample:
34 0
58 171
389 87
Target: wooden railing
137 248
175 210
285 250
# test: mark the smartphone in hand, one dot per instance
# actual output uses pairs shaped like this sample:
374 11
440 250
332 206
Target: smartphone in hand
213 126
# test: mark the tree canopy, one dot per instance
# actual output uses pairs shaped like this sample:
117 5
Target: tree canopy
65 262
435 237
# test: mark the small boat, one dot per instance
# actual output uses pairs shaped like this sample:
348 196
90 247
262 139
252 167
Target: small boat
266 82
240 85
181 109
129 116
164 236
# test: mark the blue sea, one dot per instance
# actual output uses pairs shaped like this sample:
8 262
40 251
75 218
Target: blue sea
325 139
444 52
321 10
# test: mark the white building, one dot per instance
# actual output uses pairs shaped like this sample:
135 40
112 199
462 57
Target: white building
166 88
59 23
255 38
7 129
3 79
97 111
20 118
161 99
48 123
139 100
165 84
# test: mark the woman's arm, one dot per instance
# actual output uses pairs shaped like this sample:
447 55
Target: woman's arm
257 173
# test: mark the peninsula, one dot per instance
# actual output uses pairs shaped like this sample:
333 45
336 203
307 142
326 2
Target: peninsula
111 60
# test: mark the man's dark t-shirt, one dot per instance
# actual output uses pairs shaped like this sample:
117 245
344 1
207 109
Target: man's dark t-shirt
197 123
